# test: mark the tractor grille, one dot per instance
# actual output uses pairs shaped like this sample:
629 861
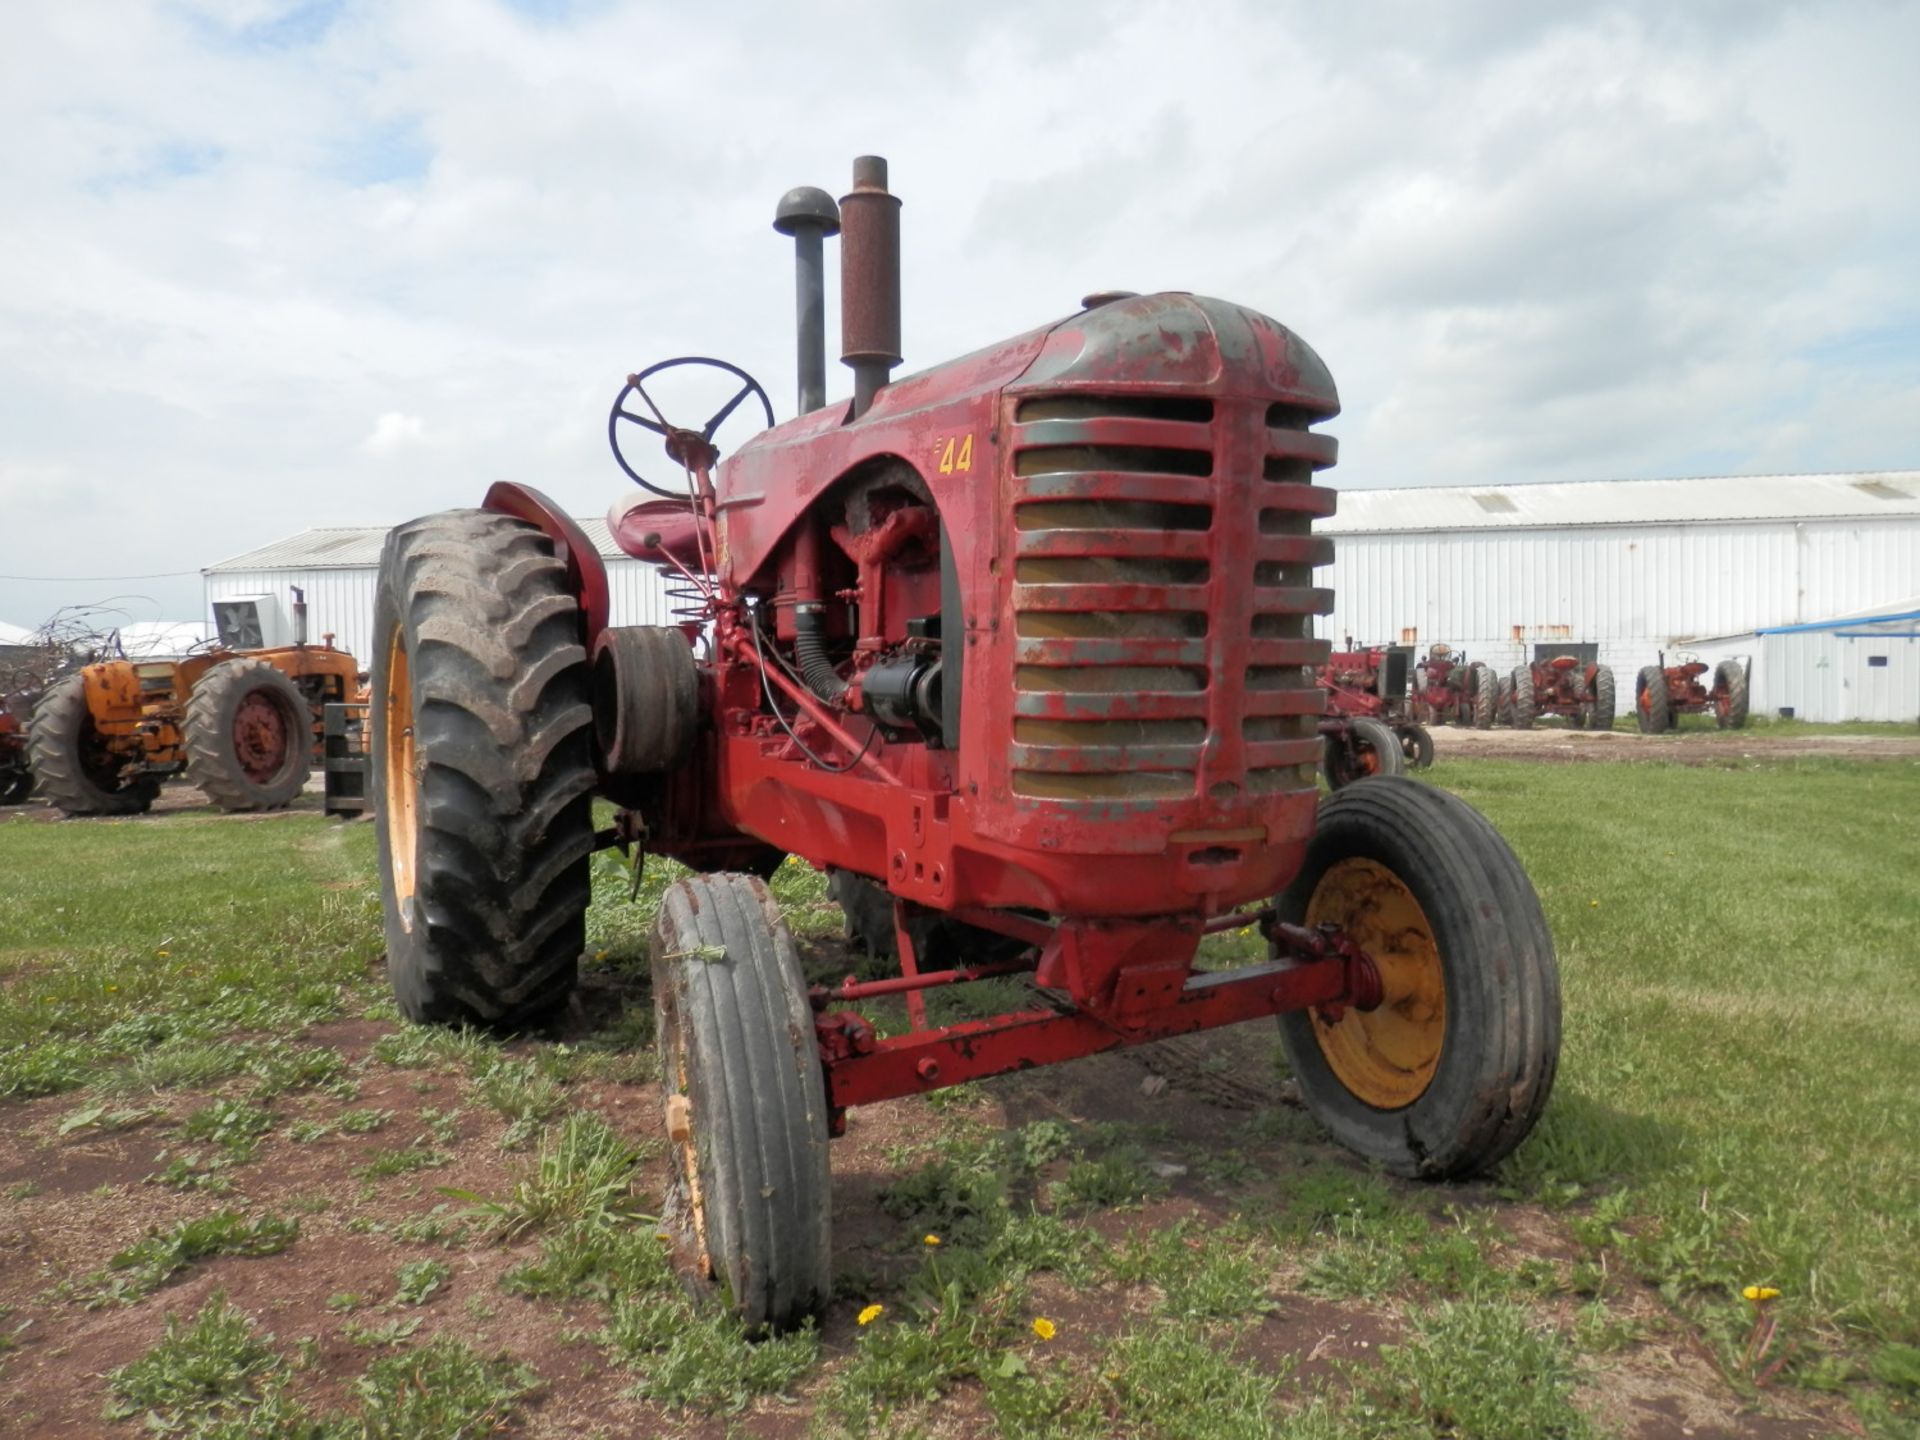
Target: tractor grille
1162 608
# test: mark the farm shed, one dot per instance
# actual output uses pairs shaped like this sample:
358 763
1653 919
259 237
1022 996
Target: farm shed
1631 567
336 569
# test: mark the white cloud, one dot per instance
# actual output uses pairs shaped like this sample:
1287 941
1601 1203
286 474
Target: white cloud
393 432
1533 242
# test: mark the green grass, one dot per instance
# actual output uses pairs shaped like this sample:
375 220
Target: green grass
1742 1034
1734 1107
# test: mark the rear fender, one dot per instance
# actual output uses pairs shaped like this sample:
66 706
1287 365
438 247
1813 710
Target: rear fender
585 571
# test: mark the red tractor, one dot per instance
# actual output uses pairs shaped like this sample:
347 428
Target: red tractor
1024 641
1366 728
1565 686
16 774
1663 693
1448 690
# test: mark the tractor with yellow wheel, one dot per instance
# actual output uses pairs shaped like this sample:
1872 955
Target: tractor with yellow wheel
244 725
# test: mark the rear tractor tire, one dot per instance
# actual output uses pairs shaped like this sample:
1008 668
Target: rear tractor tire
1730 694
249 735
746 1103
482 770
16 784
1523 698
1449 1073
1601 703
1485 692
1650 701
71 763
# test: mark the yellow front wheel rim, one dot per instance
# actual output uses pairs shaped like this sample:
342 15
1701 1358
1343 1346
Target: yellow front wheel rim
1385 1057
400 808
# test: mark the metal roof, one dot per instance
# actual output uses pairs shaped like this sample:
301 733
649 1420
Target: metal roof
1874 495
1900 618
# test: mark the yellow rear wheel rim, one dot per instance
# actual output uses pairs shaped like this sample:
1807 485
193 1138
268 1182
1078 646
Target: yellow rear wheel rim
400 807
1385 1057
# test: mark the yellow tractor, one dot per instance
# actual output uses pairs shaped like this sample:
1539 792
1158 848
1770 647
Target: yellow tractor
243 723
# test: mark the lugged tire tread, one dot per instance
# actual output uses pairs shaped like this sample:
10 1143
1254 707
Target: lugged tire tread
501 690
53 738
211 762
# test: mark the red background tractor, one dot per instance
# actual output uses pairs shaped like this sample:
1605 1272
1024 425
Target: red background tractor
1663 693
1367 730
1447 690
1565 686
1023 640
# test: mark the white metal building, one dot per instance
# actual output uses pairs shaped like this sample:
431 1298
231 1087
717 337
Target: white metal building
1630 566
336 569
1634 567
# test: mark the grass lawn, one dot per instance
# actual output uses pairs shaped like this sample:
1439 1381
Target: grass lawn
237 1199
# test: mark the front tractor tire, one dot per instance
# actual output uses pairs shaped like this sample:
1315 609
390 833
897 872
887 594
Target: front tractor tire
1368 748
249 735
76 772
1449 1073
745 1099
482 770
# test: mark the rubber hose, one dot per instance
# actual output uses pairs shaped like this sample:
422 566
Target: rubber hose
810 650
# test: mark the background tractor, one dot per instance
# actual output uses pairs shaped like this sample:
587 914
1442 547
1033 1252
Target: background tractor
1023 641
16 775
1367 720
1564 686
245 724
1449 690
1663 693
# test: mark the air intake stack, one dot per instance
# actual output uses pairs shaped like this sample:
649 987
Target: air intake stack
808 214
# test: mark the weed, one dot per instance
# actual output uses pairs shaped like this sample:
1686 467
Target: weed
200 1371
192 1172
1119 1177
234 1125
1199 1276
362 1122
1169 1383
594 1261
418 1280
701 1360
1481 1367
378 1337
146 1266
106 1119
583 1174
521 1094
437 1227
961 1196
281 1066
441 1391
405 1160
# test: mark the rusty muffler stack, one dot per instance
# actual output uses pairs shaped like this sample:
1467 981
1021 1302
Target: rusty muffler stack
868 222
869 280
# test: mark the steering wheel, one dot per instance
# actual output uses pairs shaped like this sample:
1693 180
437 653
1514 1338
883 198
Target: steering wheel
685 447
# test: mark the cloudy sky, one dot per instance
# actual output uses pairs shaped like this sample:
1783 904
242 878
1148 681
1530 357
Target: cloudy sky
268 265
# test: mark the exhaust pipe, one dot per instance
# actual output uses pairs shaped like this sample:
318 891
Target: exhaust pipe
299 615
809 215
869 280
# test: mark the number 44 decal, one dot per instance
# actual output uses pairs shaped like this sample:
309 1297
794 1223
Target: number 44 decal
955 454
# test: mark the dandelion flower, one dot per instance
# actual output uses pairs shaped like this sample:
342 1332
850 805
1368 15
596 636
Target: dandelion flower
1758 1293
870 1314
931 1240
163 954
1594 903
1044 1328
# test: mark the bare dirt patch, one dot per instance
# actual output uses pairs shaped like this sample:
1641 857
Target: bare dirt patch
1688 746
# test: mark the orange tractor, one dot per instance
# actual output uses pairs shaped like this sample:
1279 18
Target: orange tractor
245 723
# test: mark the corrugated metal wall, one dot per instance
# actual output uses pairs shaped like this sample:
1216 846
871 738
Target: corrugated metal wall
1829 677
1632 589
341 600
